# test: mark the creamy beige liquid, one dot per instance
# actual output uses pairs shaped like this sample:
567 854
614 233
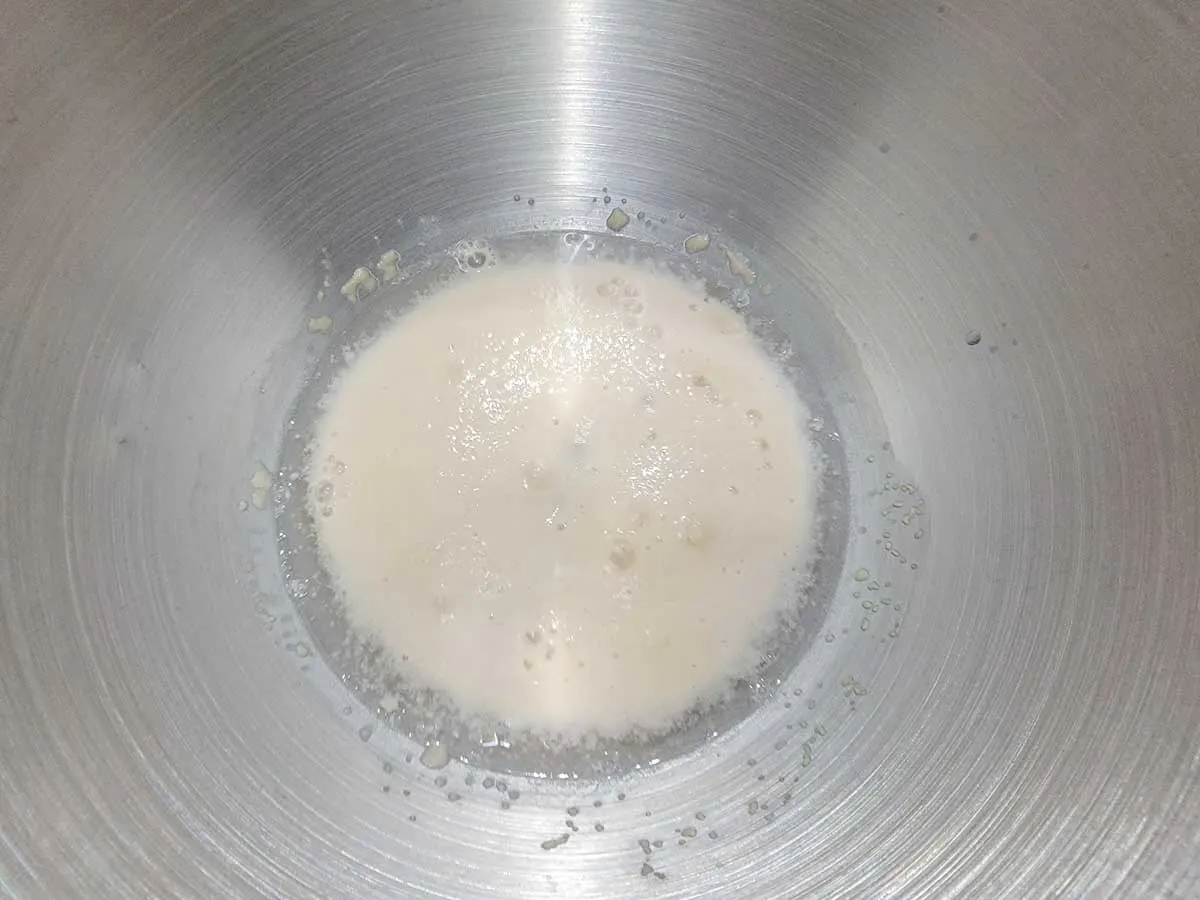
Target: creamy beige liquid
569 497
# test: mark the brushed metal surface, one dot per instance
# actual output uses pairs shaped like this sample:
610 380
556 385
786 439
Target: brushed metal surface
1026 170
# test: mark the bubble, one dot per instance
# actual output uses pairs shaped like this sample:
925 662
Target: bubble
609 288
622 555
692 531
472 255
534 476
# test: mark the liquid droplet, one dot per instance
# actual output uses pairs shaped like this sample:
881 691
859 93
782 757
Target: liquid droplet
435 756
617 219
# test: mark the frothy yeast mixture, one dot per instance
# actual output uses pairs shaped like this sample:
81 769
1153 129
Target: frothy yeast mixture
571 497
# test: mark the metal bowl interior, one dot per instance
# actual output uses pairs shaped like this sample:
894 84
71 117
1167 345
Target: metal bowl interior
975 223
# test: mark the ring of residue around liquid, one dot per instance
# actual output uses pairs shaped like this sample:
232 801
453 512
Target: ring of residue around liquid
586 481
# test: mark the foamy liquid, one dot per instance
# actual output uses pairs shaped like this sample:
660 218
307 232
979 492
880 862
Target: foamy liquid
573 498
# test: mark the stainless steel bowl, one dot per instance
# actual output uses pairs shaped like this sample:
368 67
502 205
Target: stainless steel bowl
989 210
